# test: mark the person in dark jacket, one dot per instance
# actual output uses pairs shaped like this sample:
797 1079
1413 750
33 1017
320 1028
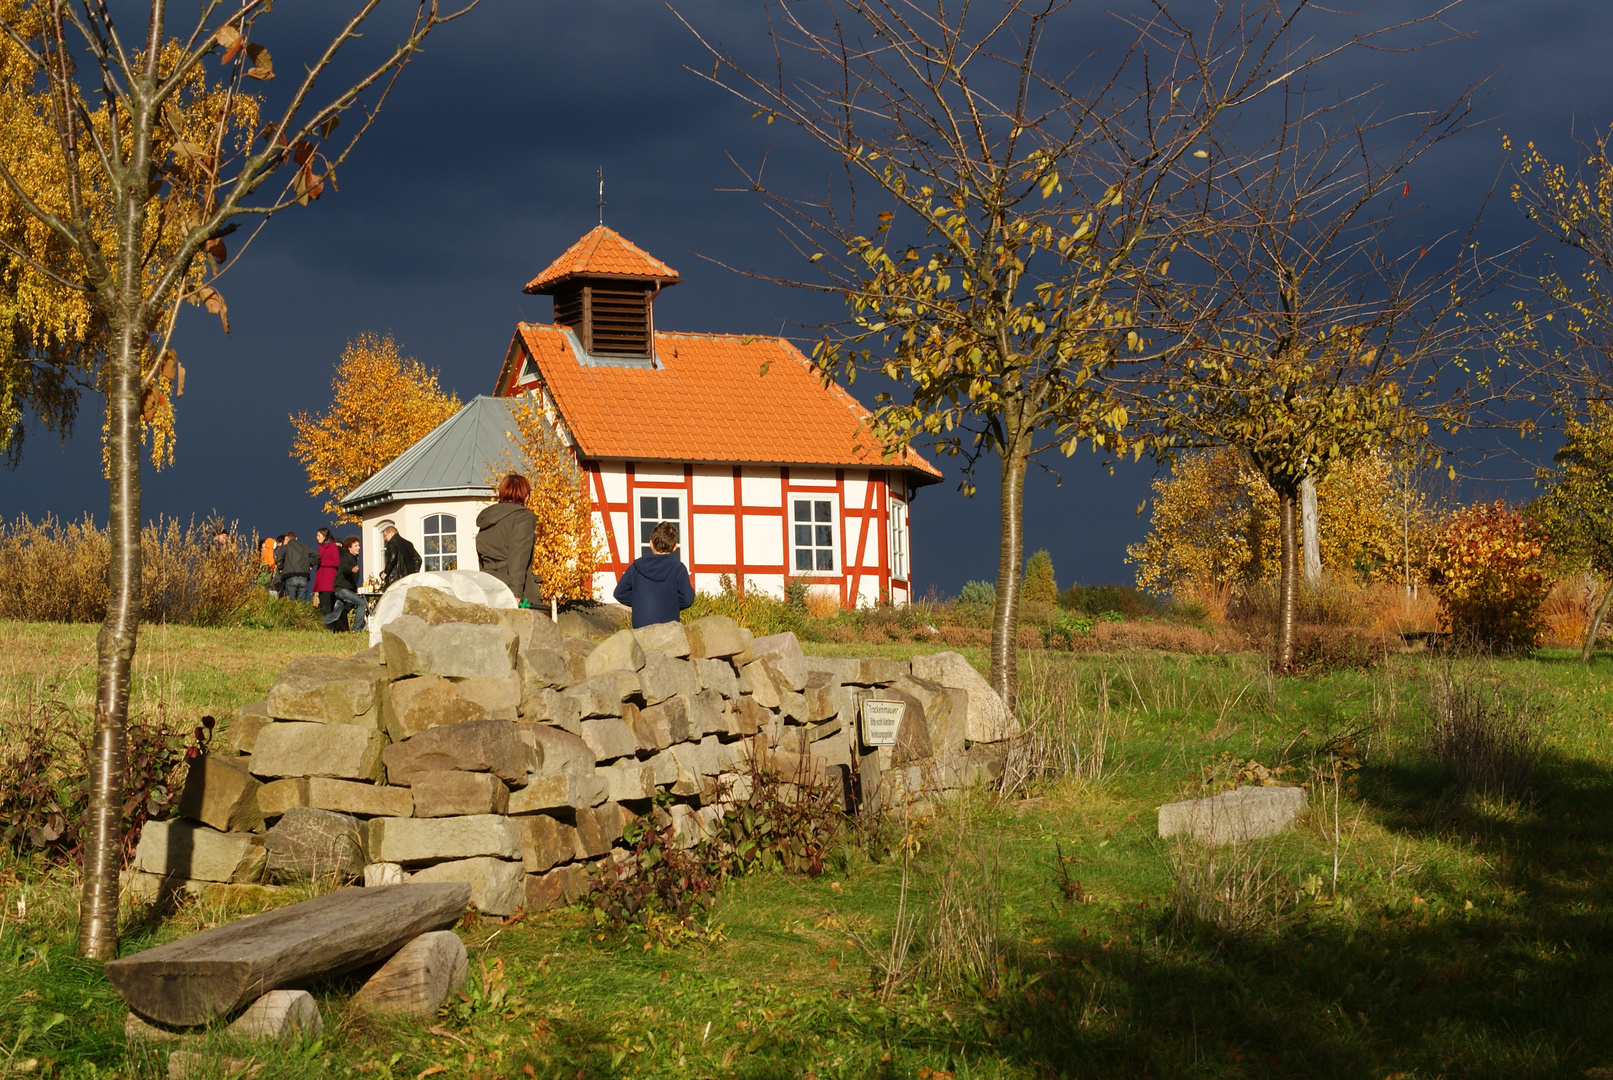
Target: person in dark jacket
346 591
401 557
657 585
296 561
505 534
330 560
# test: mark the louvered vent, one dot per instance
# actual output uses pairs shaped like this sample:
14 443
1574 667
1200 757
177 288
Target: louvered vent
611 320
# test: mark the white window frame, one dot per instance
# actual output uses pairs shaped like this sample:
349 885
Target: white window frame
641 547
899 553
792 500
425 560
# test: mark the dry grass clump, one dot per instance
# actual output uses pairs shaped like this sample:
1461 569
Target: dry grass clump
1066 723
1482 729
55 571
1165 637
1568 609
1233 891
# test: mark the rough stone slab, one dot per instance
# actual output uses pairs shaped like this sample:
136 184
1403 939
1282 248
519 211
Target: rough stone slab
185 849
202 1065
576 652
945 712
455 650
414 841
687 830
278 796
548 706
212 973
557 888
377 874
533 629
308 844
664 768
597 829
499 698
328 690
602 695
558 792
434 607
591 620
749 716
339 751
766 684
546 842
717 675
219 794
667 637
645 738
822 701
281 1015
708 715
988 718
619 652
609 738
783 652
497 886
557 750
628 781
714 636
428 701
456 793
793 707
547 668
249 720
419 977
363 800
670 721
1246 813
665 676
494 746
859 670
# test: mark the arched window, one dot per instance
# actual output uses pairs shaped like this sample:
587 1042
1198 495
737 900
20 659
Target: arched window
440 542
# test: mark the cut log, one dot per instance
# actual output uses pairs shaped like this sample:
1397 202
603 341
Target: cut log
419 977
211 974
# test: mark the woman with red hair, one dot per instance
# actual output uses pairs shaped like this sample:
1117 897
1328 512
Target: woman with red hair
505 535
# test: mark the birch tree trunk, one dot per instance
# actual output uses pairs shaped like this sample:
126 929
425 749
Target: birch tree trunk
1596 626
1010 563
1288 582
1309 533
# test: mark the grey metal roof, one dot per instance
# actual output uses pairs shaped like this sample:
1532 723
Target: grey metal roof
454 459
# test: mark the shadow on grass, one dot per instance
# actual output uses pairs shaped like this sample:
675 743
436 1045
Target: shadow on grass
1419 987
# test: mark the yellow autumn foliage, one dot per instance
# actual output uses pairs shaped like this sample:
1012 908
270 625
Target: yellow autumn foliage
566 549
1214 528
382 403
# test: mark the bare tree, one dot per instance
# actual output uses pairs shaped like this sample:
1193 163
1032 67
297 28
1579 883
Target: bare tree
148 201
1015 222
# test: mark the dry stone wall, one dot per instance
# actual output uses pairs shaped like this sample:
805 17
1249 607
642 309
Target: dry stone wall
479 745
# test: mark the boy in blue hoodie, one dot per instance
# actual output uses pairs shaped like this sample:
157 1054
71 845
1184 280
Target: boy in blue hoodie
657 585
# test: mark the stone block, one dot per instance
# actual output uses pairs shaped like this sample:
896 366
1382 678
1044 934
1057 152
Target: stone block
497 886
426 702
546 842
667 637
945 712
686 827
281 1015
576 653
435 607
499 698
793 707
249 720
717 675
456 793
416 841
217 793
494 746
339 751
858 671
590 620
533 629
663 768
314 845
185 849
609 738
328 690
419 977
598 828
603 695
552 707
377 874
766 684
1246 813
988 719
687 759
362 800
628 781
708 715
278 796
822 701
558 792
783 652
557 751
557 888
619 652
749 715
206 1064
665 676
543 668
455 650
714 636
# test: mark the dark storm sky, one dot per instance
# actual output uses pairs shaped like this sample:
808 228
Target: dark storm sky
481 170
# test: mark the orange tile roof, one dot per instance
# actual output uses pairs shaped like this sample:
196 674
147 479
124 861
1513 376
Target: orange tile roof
717 397
603 253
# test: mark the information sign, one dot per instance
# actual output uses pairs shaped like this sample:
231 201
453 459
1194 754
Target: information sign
880 721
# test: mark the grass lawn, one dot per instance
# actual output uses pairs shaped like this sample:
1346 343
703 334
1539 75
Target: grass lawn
1467 934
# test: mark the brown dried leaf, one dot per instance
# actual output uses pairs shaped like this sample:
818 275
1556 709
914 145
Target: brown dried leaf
262 64
189 155
329 126
230 38
213 300
215 248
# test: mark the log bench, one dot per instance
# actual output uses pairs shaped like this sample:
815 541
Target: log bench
211 974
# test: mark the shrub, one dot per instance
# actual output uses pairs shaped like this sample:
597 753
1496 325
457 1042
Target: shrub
761 613
1483 732
1487 565
1040 584
1098 599
983 593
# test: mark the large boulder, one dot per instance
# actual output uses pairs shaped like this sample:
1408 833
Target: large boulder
492 746
455 650
329 690
314 845
435 607
988 718
340 751
471 585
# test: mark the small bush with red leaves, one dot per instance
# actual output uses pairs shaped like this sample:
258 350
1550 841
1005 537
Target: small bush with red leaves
1488 566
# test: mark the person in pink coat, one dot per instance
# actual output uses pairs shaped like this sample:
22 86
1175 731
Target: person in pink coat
330 558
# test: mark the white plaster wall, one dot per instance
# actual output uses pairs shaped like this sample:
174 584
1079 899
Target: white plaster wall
813 477
410 517
764 540
760 486
713 485
713 538
658 471
613 474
